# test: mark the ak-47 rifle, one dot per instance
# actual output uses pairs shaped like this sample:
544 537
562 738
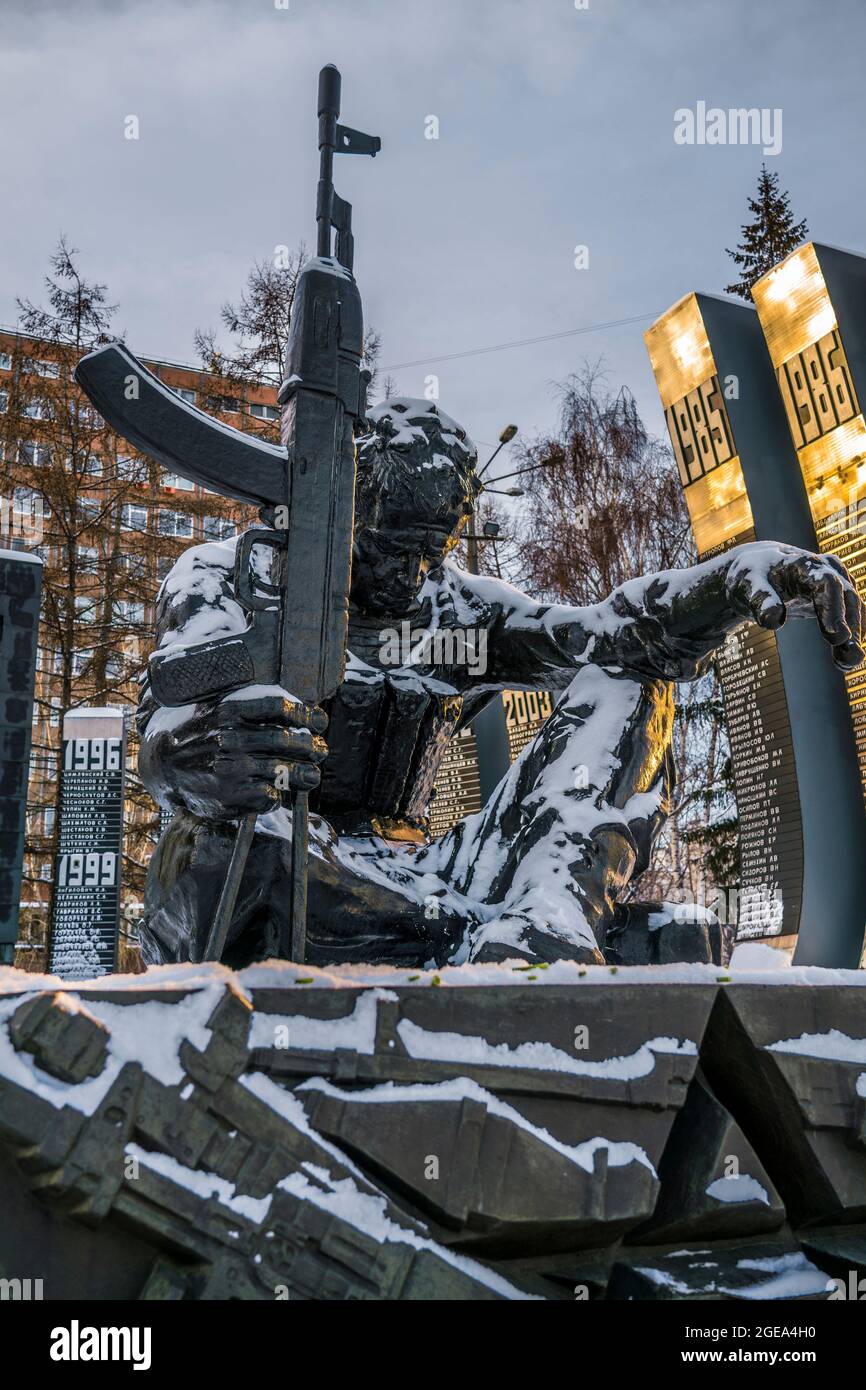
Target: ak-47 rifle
296 636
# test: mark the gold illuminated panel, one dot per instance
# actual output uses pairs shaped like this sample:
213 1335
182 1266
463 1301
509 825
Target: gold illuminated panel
825 420
680 351
699 431
756 712
816 389
699 427
843 533
719 509
525 712
793 305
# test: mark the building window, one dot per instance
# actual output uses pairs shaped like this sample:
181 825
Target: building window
172 480
85 609
164 566
264 412
5 362
132 470
29 511
4 402
92 466
50 660
184 393
175 524
88 558
135 565
49 369
32 454
217 528
127 611
43 763
80 660
133 518
35 367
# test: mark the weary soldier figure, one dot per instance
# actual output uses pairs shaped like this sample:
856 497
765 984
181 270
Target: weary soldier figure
538 874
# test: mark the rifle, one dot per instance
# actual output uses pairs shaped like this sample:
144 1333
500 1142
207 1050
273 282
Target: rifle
298 620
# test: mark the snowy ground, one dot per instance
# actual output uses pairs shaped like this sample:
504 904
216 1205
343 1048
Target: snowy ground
752 963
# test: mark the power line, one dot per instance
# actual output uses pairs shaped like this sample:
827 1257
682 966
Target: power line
522 342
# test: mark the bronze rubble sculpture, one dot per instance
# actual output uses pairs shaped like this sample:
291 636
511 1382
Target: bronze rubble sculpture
540 872
199 1134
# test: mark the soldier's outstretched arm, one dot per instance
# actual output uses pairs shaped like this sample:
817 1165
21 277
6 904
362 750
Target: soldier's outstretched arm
668 625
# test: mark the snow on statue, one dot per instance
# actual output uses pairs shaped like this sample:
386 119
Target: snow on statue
540 872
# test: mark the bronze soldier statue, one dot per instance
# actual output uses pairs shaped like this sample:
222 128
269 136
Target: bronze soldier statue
540 872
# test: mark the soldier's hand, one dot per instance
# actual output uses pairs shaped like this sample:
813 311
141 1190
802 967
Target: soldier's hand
223 760
767 581
266 744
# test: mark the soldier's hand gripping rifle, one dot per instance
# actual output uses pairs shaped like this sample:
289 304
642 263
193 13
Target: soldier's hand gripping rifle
296 636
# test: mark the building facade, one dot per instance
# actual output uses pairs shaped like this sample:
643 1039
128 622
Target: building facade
108 525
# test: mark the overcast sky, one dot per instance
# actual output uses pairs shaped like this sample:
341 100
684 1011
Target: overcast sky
556 129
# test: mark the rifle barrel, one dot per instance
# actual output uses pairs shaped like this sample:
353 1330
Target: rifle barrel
329 110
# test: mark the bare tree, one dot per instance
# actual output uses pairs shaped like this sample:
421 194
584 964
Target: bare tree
603 502
110 532
258 328
61 463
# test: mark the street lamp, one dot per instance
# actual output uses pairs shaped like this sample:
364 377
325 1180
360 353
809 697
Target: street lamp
505 438
472 538
489 726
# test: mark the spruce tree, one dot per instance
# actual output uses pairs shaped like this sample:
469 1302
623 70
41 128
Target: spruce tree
769 238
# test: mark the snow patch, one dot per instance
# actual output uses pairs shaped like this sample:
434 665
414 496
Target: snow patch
741 1188
356 1032
368 1214
756 955
206 1185
421 1043
619 1152
833 1046
150 1033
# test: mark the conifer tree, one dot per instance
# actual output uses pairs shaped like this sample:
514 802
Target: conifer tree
769 238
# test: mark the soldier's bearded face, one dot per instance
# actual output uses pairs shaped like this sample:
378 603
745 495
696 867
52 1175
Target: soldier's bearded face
389 566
